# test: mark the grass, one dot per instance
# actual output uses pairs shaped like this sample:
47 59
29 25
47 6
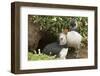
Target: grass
40 56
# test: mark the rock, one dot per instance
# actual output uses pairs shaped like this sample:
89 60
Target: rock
34 35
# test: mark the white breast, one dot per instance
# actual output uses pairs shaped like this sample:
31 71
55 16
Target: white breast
73 39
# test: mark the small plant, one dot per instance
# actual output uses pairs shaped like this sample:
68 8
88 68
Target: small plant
39 56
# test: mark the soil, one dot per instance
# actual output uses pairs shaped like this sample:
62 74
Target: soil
82 54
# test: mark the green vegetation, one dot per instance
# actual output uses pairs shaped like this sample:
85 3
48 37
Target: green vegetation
41 56
55 24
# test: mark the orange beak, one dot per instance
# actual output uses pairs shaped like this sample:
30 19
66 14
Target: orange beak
65 31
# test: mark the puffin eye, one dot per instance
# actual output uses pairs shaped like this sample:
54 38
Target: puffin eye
61 38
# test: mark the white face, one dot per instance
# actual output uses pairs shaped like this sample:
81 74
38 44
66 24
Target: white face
62 39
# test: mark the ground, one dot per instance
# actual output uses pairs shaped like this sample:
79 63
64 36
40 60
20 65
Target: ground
71 55
82 54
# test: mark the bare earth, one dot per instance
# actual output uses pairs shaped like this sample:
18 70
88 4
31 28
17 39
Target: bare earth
82 54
